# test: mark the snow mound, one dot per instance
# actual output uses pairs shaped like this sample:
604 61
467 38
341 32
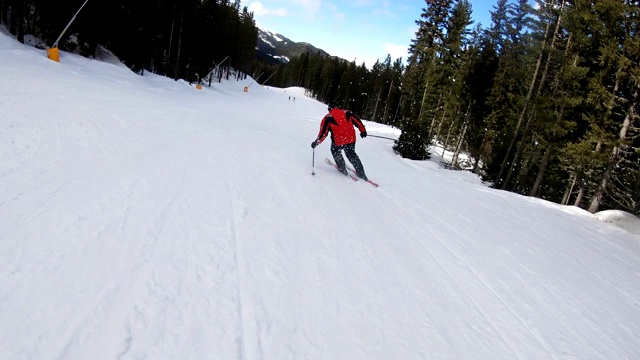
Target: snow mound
105 55
6 42
621 219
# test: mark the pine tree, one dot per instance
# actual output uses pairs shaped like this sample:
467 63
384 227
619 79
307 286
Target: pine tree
534 108
478 85
507 92
605 34
622 57
421 76
453 68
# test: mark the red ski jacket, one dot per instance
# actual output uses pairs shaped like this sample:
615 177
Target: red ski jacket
340 123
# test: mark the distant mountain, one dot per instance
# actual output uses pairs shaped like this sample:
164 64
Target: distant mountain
276 48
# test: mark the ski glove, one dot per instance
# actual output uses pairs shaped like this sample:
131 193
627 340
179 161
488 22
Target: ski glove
314 144
363 134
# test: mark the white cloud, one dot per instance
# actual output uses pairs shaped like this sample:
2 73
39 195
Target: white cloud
396 51
260 10
286 8
310 6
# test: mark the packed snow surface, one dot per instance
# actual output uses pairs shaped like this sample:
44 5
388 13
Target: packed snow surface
141 217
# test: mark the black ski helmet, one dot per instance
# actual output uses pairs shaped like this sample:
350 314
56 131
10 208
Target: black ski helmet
332 104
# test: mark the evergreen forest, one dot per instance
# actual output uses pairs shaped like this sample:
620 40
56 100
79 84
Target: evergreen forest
185 39
543 100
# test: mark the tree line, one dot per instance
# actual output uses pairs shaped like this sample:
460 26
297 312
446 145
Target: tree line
182 39
544 100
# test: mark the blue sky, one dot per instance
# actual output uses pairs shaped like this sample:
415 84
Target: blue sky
364 30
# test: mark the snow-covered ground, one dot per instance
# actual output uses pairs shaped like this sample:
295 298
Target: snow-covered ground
143 218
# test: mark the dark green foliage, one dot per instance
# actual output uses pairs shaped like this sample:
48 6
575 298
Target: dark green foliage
411 144
478 85
183 39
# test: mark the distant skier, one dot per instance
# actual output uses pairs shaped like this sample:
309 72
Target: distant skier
343 137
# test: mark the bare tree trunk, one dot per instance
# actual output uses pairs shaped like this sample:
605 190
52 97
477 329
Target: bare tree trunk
13 24
424 96
375 109
531 117
481 152
545 72
456 153
583 189
451 125
446 140
454 159
602 189
545 163
524 110
516 158
528 159
19 14
3 11
386 105
176 69
543 168
595 203
597 198
567 193
433 121
444 112
395 116
583 186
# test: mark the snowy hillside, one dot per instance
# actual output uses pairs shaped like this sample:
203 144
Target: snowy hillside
143 218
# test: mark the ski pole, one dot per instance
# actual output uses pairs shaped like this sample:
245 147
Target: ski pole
382 137
313 162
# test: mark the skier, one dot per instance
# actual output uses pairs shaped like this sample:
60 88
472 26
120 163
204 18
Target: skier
343 137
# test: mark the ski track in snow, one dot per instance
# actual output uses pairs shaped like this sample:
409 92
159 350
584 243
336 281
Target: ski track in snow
149 269
239 212
495 296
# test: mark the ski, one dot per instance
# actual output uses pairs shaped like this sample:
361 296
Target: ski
354 178
374 184
336 167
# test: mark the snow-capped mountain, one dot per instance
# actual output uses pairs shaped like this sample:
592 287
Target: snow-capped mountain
276 48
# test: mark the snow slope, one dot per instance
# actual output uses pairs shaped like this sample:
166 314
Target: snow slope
142 218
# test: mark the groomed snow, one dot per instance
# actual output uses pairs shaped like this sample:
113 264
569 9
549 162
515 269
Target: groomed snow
143 218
